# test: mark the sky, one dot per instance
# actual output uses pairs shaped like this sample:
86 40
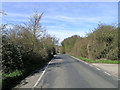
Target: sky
60 0
63 19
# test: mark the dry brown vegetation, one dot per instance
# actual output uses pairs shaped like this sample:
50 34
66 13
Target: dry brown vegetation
102 43
25 48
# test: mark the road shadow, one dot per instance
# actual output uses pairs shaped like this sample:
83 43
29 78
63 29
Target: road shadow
59 64
57 57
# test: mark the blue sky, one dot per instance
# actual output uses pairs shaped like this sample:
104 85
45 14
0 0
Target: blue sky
63 19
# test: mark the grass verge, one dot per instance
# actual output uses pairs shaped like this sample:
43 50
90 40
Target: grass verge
10 80
98 61
13 74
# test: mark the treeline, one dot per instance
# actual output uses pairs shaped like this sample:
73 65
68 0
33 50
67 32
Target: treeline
101 43
25 48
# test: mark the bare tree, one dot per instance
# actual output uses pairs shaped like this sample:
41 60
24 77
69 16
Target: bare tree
35 27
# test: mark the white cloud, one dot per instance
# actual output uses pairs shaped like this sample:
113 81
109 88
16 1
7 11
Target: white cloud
68 19
18 15
63 31
62 34
9 26
79 20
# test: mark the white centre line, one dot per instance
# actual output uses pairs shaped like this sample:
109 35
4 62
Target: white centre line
107 73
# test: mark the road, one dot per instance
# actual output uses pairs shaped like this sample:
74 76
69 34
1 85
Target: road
65 71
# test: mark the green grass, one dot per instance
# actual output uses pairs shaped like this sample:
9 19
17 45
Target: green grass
14 78
13 74
98 61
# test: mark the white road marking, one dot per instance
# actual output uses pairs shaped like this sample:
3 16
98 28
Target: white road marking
97 68
107 73
91 65
78 59
82 61
85 63
75 58
41 76
55 55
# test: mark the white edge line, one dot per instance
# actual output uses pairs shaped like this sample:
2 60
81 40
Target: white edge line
97 68
43 72
91 65
86 63
78 59
107 73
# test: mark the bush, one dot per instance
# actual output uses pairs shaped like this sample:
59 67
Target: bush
25 48
11 57
101 43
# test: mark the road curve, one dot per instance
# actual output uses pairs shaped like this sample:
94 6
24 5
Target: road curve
65 71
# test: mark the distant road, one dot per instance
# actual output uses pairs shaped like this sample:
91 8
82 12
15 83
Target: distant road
65 71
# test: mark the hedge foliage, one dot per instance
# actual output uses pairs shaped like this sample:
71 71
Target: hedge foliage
27 45
101 43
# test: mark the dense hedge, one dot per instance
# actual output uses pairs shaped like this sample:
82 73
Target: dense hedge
25 48
101 43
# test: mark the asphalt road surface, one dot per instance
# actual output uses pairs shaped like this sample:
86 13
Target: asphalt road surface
65 71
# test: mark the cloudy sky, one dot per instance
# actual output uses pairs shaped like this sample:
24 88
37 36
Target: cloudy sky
63 19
